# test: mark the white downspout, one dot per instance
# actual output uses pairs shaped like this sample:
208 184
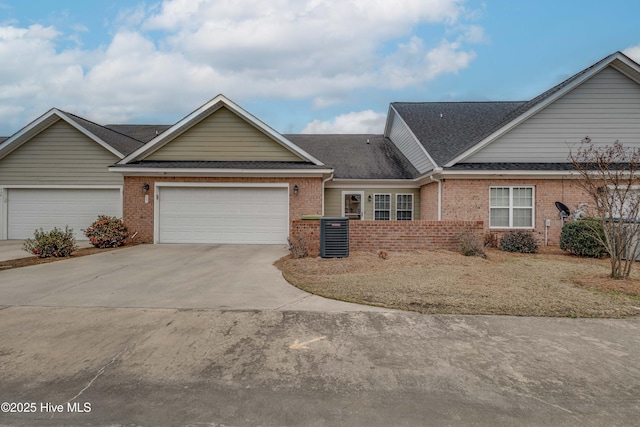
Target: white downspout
323 183
439 193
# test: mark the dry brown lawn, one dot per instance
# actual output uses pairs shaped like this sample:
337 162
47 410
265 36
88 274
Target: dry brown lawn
550 283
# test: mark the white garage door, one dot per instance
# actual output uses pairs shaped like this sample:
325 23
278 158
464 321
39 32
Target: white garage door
31 209
234 215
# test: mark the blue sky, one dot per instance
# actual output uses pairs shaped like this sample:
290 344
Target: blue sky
319 66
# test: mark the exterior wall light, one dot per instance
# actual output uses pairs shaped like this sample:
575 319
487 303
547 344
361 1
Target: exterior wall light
295 190
145 187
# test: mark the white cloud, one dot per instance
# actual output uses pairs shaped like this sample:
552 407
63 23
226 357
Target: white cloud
356 122
633 52
176 55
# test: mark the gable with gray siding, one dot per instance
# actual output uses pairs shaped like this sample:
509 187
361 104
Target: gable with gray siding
606 108
59 155
403 138
223 136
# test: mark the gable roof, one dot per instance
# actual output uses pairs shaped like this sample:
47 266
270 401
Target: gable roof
142 133
617 60
121 142
363 156
116 143
452 131
200 114
446 129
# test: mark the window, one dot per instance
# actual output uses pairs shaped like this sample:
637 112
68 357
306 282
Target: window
382 207
511 207
404 207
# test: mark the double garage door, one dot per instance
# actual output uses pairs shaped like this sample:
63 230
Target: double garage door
235 215
32 209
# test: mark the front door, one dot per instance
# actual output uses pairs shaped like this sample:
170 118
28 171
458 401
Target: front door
352 205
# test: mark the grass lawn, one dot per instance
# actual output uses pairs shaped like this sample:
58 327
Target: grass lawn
550 283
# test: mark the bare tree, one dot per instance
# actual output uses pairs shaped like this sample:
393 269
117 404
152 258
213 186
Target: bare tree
610 175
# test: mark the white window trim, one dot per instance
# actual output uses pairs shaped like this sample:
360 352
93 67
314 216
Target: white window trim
511 207
382 210
413 204
361 193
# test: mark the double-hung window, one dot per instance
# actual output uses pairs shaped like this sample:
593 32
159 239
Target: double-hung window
382 207
511 207
404 207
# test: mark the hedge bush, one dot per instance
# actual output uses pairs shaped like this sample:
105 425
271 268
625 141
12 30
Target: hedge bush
583 238
54 243
519 241
107 232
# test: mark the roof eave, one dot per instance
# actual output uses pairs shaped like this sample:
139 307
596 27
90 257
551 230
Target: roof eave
498 173
23 135
207 109
541 105
222 172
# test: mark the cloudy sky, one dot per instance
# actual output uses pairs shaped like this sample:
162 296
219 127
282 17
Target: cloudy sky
315 66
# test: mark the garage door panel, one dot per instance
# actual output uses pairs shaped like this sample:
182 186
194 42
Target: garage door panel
32 209
223 215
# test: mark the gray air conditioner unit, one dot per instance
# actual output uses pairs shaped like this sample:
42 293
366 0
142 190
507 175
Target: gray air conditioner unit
334 237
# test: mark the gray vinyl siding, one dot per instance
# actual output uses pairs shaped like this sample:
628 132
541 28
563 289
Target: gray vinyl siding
605 108
333 200
224 136
59 155
402 137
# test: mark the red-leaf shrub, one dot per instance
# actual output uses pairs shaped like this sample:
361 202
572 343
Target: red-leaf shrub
107 232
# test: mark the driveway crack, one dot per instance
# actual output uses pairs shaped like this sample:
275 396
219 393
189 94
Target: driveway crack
96 376
294 302
75 286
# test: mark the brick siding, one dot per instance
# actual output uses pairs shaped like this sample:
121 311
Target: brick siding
391 235
139 216
468 200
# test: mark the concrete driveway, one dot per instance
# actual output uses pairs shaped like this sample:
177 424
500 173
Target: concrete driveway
165 276
12 249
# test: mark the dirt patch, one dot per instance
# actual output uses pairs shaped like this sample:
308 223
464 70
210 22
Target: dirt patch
550 283
34 260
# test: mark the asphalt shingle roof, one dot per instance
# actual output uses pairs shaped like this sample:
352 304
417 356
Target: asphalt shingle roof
363 156
122 143
446 129
142 133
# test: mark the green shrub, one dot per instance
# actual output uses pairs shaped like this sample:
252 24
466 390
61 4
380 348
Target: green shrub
519 241
583 238
107 232
55 243
471 244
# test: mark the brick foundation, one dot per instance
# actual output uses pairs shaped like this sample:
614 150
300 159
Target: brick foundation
391 235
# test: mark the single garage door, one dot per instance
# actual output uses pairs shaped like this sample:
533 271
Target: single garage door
235 215
31 209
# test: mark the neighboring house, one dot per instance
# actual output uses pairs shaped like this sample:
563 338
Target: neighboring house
220 175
